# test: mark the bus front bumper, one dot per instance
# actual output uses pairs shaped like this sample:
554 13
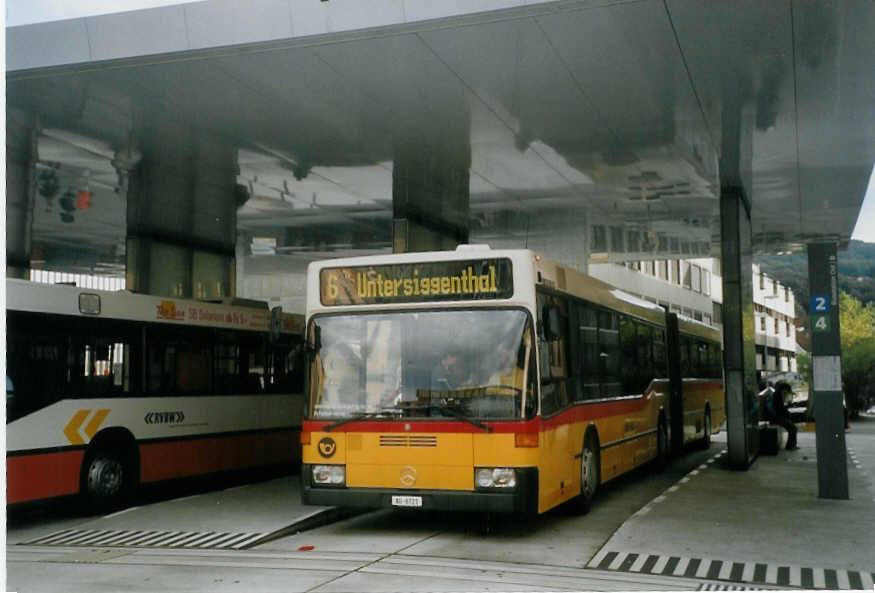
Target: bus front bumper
521 499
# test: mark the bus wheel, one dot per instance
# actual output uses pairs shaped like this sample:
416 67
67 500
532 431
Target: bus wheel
107 479
706 438
589 473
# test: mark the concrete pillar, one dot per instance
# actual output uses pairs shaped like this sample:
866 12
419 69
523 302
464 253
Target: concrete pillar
739 349
826 357
430 174
182 212
21 156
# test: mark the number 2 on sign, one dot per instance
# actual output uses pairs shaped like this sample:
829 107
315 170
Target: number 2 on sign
820 304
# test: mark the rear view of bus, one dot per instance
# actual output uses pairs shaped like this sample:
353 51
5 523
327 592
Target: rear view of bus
421 384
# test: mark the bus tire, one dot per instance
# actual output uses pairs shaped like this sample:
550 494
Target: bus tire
705 443
660 462
109 475
590 473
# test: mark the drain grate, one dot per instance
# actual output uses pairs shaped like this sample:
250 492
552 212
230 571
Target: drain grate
148 539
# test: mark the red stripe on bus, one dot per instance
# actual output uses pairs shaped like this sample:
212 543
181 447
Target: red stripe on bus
42 475
587 412
176 459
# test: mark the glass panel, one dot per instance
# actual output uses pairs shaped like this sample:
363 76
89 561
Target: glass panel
609 354
628 356
589 353
421 363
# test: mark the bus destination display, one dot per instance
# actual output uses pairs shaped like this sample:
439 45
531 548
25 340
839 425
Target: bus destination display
417 282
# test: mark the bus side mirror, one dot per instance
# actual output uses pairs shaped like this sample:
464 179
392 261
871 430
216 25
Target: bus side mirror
276 323
553 324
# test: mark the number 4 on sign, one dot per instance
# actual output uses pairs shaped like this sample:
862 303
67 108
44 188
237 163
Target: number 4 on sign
821 323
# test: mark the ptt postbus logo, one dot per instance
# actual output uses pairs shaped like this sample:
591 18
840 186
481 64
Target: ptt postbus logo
164 417
327 447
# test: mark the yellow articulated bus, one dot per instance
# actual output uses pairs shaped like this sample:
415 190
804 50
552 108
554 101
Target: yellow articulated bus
492 380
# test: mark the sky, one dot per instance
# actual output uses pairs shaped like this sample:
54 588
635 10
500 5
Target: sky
21 12
865 229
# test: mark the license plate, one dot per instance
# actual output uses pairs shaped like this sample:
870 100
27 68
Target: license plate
406 501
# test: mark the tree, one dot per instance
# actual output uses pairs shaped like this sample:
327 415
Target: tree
857 325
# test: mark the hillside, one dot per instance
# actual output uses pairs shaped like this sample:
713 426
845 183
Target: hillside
856 272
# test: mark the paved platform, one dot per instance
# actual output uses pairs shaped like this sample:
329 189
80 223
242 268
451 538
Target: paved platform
764 526
229 519
709 528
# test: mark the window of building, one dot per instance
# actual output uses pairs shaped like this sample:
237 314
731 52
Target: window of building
633 241
776 327
788 329
686 274
696 277
762 281
648 268
763 323
718 313
617 243
599 241
663 270
786 295
706 282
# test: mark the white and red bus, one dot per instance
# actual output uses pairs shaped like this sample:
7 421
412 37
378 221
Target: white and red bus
110 390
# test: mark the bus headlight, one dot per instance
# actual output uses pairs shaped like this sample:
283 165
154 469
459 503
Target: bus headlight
495 477
331 475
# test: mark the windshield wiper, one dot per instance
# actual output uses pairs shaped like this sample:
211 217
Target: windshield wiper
362 416
444 409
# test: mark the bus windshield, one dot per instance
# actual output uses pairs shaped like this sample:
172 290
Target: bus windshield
476 364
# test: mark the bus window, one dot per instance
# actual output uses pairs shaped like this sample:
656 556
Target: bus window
645 363
589 353
422 363
179 362
628 367
104 366
660 369
37 366
554 354
238 363
609 354
684 355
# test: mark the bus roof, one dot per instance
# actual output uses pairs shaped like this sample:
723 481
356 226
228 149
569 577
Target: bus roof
61 299
530 269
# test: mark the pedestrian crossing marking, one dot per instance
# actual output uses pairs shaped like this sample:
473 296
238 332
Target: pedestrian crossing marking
216 540
747 576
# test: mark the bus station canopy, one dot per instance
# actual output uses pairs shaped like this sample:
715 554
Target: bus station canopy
578 114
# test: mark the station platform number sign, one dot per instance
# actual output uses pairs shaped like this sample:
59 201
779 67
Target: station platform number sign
820 306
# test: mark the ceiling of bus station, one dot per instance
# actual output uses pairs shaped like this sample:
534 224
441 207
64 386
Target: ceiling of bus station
580 113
